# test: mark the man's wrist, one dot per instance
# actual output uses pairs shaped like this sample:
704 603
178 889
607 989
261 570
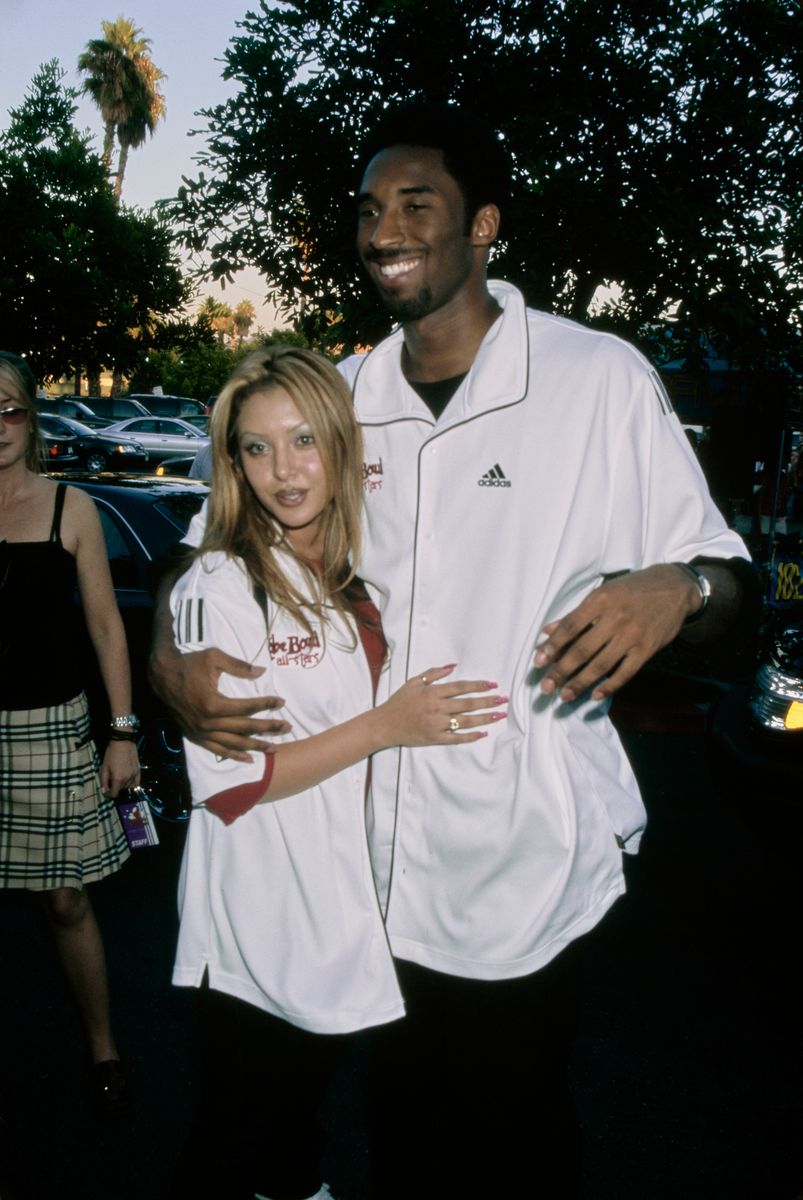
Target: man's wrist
703 585
162 661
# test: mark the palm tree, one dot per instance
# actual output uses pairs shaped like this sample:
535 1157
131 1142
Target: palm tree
218 316
147 110
243 317
110 84
123 81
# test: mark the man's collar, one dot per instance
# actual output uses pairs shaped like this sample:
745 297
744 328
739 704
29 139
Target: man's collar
498 377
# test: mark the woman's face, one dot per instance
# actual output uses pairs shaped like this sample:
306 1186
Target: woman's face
283 467
15 428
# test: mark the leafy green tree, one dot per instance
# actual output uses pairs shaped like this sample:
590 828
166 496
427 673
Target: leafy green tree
123 81
281 337
83 285
199 369
196 364
657 147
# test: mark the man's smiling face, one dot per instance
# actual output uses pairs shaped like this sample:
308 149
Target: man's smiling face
411 234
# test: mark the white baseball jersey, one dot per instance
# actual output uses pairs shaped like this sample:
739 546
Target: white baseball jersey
280 907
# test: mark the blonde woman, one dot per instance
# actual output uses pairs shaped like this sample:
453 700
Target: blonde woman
58 827
280 924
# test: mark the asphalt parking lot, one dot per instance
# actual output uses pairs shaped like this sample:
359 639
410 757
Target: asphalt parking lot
687 1073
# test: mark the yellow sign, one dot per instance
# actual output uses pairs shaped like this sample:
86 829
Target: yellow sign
788 582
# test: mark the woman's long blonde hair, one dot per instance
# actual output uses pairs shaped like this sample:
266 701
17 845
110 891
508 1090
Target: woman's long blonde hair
238 524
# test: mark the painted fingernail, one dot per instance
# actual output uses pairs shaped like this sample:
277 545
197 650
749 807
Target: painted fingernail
498 716
548 686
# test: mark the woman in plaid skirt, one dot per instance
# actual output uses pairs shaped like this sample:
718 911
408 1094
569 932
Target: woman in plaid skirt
58 825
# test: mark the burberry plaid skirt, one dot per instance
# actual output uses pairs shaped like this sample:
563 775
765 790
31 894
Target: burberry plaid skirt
57 829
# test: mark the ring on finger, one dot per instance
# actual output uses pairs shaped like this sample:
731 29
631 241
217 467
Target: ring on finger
454 724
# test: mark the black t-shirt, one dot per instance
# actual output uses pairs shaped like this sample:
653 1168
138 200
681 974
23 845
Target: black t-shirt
438 394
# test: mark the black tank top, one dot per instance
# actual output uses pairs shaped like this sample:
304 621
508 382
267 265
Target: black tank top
38 660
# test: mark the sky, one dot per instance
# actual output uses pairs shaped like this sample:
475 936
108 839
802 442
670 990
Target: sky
187 44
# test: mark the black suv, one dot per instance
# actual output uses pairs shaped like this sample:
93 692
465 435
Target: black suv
170 406
70 406
116 408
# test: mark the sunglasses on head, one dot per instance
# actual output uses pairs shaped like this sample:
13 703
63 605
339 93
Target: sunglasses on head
13 415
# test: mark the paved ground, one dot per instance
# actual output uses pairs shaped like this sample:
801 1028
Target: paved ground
687 1075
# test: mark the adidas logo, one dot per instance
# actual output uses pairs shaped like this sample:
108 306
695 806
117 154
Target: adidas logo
494 478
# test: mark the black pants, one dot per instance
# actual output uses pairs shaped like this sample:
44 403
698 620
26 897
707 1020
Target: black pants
255 1126
469 1095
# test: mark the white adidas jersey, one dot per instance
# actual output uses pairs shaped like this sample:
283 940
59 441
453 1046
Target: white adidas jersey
557 461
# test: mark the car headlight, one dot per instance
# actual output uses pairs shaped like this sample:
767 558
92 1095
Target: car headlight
128 448
776 700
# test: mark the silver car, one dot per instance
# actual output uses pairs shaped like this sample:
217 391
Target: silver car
161 435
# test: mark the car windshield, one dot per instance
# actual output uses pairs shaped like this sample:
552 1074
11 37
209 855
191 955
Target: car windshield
79 427
54 427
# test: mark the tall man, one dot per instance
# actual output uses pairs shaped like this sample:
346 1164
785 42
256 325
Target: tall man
531 501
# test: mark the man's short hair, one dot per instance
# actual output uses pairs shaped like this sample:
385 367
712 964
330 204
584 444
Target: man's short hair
472 152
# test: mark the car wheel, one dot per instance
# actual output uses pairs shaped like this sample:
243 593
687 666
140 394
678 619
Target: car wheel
96 461
164 774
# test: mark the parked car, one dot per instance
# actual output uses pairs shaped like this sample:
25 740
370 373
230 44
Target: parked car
95 449
201 423
142 519
59 451
776 697
116 408
175 464
70 406
170 406
161 436
745 697
757 728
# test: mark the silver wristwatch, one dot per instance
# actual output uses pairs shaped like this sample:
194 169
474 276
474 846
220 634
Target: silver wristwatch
129 721
704 584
